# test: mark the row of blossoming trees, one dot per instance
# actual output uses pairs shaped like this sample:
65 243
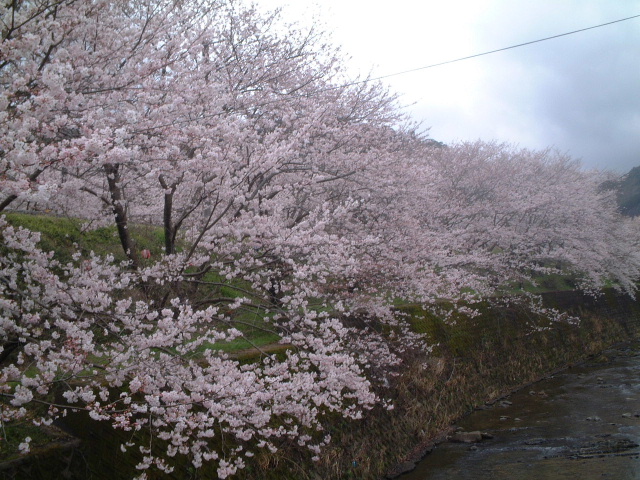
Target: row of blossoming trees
286 192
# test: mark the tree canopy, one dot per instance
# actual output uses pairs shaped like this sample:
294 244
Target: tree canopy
292 200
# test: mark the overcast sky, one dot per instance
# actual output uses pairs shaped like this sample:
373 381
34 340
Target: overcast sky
579 94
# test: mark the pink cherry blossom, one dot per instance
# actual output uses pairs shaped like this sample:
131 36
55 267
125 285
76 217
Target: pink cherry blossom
293 200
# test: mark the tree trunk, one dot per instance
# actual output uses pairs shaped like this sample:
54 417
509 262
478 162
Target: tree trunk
120 213
169 227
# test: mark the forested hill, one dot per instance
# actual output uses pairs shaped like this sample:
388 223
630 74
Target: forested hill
628 188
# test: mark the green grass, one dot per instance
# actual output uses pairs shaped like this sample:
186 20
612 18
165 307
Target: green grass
256 332
554 282
15 435
64 236
259 338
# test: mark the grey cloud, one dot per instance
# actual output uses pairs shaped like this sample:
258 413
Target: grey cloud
579 93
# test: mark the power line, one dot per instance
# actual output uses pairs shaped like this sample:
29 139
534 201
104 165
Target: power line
489 52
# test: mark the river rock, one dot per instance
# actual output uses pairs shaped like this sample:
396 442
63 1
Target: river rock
400 469
602 447
535 441
541 393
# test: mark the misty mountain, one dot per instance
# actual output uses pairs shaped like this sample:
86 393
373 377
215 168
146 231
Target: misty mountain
628 192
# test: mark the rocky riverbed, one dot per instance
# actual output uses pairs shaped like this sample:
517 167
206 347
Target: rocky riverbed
583 423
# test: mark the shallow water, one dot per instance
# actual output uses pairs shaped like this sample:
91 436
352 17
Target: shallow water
583 423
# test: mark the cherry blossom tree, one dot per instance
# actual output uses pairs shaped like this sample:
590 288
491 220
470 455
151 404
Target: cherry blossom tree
196 114
292 200
485 216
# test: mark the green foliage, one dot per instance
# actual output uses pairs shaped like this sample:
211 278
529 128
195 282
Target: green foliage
16 435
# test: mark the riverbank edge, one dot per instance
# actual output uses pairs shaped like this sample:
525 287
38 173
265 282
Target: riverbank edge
421 451
619 317
477 361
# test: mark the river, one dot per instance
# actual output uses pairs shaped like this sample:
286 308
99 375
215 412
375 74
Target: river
583 423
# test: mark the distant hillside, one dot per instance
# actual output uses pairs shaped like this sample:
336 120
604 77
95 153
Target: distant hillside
628 192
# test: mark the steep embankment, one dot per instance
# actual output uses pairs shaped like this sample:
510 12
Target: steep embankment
476 360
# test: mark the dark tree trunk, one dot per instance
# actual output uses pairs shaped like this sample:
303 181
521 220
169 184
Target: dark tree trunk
120 213
170 228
